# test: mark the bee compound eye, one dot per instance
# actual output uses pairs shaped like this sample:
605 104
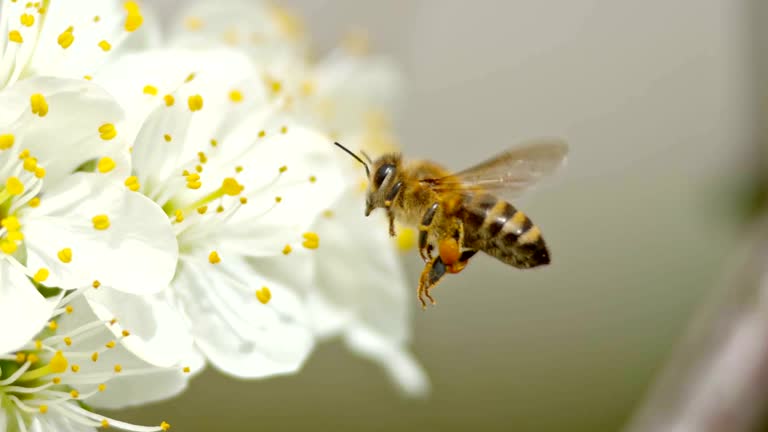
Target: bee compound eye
382 173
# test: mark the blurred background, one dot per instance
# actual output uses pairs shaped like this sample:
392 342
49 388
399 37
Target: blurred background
661 103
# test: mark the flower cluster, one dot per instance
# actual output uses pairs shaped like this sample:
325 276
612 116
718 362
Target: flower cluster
164 205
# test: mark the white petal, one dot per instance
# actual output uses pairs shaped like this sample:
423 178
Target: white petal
238 334
159 335
23 311
400 365
372 284
68 135
263 227
136 254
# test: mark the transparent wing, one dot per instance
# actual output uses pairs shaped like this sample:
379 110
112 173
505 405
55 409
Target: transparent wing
510 173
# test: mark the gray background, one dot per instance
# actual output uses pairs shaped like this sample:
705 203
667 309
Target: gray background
658 100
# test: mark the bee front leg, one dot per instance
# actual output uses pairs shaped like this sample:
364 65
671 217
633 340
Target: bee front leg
433 272
426 221
388 204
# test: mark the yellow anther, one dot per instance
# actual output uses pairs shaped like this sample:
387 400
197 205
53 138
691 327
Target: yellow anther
186 369
194 185
150 90
192 177
195 103
24 154
118 368
8 247
95 356
179 216
87 77
56 380
287 249
125 333
131 7
27 20
102 387
243 200
110 344
406 239
165 426
278 199
96 18
66 38
113 321
231 187
311 240
100 222
52 325
214 258
236 96
68 341
274 85
69 309
199 168
33 358
307 88
75 394
312 179
238 169
104 423
283 169
107 131
39 104
202 209
58 363
132 183
15 36
328 214
43 409
30 164
14 186
167 138
214 143
190 77
105 46
262 134
39 172
133 21
65 255
6 141
11 223
96 284
169 100
219 209
284 130
21 357
38 344
105 165
264 295
34 202
193 23
15 236
202 157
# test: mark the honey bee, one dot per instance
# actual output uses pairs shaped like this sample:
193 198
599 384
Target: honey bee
462 213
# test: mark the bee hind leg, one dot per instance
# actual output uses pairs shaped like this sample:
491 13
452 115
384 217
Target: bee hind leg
431 275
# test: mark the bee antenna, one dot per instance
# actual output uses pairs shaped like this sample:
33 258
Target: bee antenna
365 155
357 158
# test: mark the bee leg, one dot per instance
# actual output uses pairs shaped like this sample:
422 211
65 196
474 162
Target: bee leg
431 275
388 204
426 221
463 261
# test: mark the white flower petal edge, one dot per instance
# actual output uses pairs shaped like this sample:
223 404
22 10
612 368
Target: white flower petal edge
114 236
360 279
23 311
242 333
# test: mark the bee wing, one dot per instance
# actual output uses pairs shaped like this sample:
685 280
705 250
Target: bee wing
509 173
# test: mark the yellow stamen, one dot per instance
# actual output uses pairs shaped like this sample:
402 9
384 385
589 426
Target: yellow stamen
169 100
6 141
214 258
105 165
236 96
39 104
132 183
150 90
15 36
107 131
66 38
27 20
195 103
65 255
287 249
311 240
100 222
41 275
14 186
263 295
34 202
105 46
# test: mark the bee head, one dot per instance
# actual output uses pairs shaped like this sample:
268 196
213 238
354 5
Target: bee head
381 180
381 177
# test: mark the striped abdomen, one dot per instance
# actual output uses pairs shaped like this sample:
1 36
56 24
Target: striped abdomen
497 228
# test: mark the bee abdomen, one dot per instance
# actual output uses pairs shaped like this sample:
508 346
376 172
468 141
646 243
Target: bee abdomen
505 232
